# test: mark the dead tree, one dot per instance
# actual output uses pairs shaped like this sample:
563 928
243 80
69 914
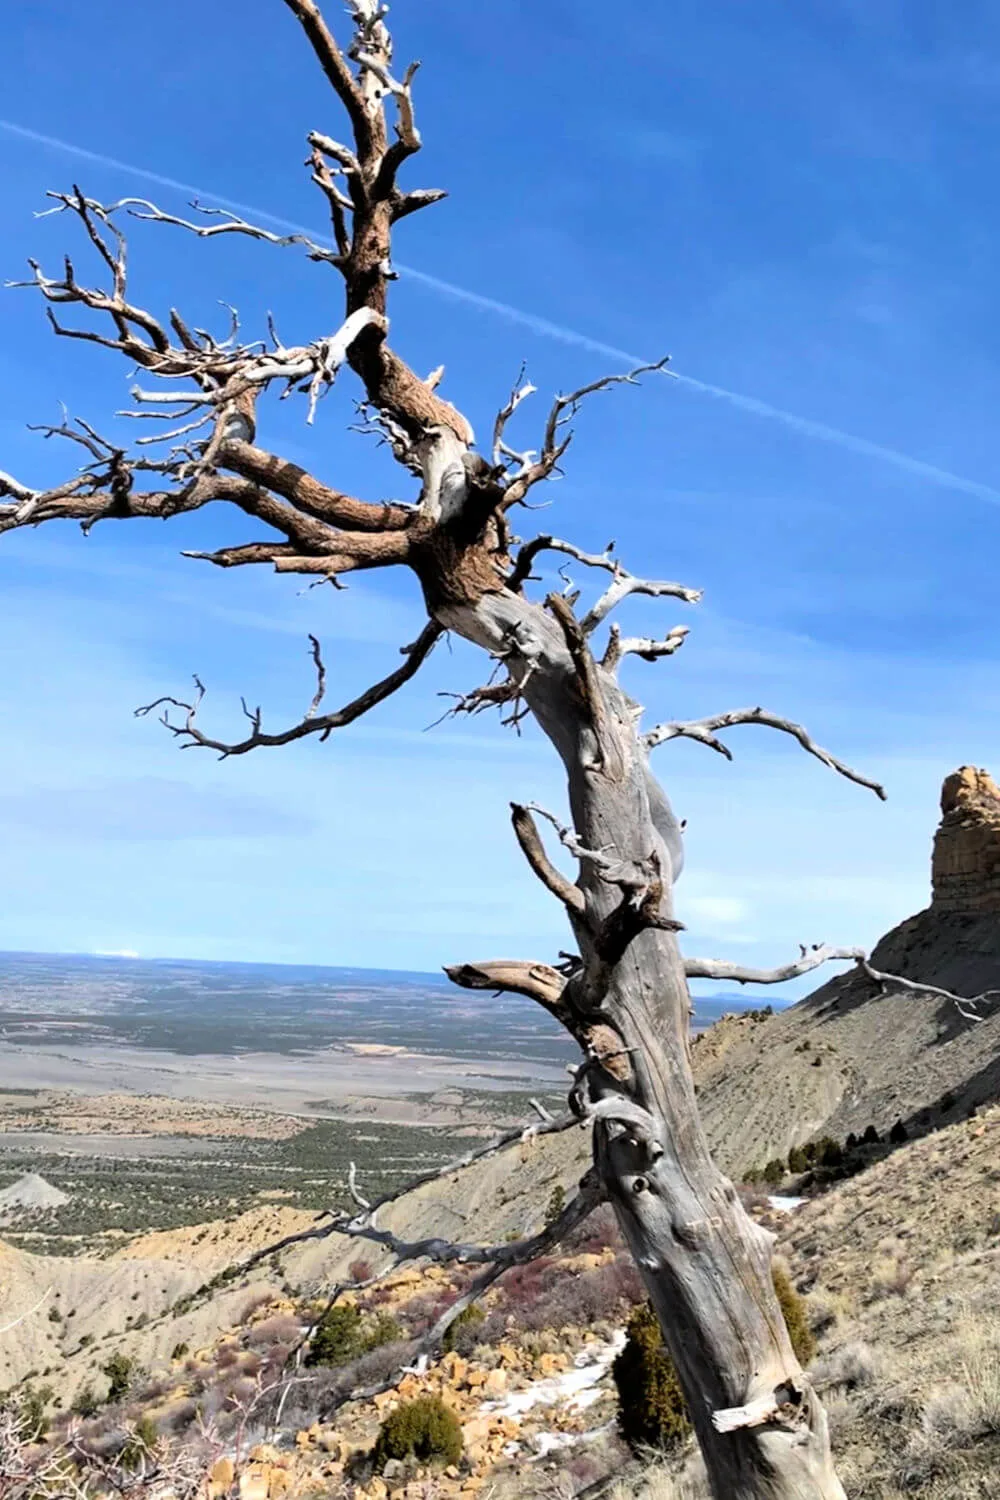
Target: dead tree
624 997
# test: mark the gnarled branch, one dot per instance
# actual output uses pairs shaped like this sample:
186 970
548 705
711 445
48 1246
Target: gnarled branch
530 840
540 982
704 730
645 647
624 583
960 1002
557 438
436 1248
312 722
810 958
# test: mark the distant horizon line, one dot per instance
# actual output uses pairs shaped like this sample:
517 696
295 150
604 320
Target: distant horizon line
128 956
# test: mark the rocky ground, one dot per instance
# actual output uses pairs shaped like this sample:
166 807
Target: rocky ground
903 1301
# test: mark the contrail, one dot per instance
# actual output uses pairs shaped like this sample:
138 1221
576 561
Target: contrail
544 328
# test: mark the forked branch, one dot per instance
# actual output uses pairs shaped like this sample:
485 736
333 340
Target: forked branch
705 731
312 722
221 221
531 470
624 583
960 1002
530 840
336 1223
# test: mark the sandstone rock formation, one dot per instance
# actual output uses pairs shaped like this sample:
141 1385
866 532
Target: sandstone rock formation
965 867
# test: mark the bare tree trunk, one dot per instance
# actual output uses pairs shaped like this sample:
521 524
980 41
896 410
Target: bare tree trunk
706 1265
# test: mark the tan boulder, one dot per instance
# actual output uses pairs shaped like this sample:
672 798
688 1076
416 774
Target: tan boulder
220 1478
476 1429
495 1384
254 1483
330 1441
264 1453
454 1368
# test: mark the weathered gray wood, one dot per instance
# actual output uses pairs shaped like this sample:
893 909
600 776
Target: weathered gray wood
705 1263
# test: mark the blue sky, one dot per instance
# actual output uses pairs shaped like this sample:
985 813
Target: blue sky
789 200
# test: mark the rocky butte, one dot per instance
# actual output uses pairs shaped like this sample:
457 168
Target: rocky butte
965 867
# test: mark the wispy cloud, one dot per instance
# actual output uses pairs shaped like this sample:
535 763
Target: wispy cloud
545 328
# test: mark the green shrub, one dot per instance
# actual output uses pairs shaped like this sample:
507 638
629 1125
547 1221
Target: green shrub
652 1412
86 1403
343 1335
829 1152
774 1172
871 1137
425 1429
793 1310
651 1408
337 1337
141 1442
179 1350
556 1203
120 1370
55 1316
32 1404
797 1160
899 1133
467 1318
382 1329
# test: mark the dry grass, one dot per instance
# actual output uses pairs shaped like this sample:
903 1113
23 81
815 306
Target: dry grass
660 1481
966 1408
852 1367
903 1268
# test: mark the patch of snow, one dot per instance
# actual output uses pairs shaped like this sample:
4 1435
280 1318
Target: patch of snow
784 1204
555 1442
576 1387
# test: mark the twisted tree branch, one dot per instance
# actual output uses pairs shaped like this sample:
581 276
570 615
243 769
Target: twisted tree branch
312 722
703 730
811 958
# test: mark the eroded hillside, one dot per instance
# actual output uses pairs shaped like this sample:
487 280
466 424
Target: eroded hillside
854 1053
